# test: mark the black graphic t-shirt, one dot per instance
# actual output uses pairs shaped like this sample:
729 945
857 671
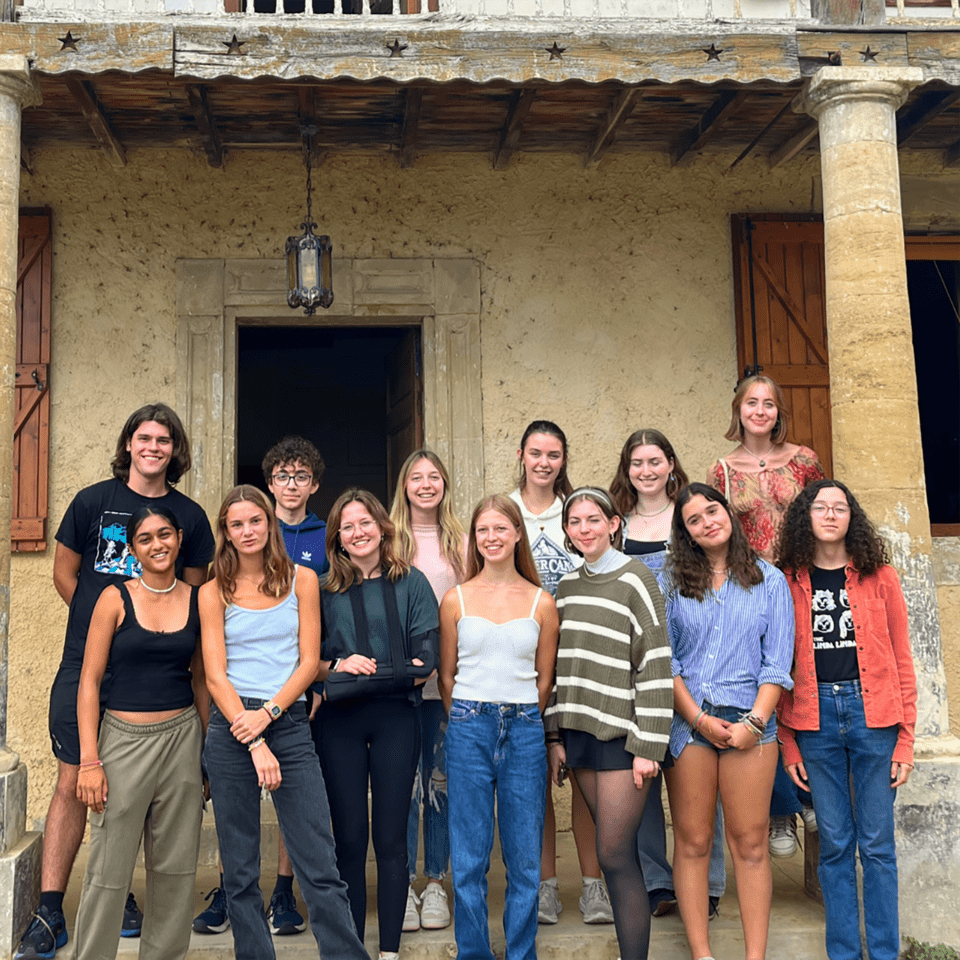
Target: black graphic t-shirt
95 526
834 643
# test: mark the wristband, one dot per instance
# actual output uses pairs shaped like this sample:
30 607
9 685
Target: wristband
91 763
334 664
255 743
700 718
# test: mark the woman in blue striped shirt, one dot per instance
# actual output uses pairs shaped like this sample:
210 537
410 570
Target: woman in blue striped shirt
730 620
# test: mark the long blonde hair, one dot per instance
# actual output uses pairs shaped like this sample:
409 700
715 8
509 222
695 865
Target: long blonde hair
344 573
451 532
278 569
522 555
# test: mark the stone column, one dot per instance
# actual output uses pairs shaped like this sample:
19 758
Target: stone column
877 451
19 851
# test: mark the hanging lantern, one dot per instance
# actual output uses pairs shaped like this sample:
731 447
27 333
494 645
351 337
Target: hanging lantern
309 257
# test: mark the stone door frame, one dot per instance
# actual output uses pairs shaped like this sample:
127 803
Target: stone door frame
442 297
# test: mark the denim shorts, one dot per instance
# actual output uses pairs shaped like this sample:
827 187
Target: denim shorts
732 714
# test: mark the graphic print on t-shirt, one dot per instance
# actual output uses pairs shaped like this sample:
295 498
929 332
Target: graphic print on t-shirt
113 552
833 629
552 562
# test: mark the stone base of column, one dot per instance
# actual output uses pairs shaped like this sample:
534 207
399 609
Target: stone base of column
20 855
928 844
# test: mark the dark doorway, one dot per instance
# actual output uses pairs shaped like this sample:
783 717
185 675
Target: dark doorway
934 289
355 392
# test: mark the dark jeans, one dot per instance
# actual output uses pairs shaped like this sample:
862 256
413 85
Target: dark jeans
304 817
375 740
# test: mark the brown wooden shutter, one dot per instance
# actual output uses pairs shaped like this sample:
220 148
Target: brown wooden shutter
31 431
791 321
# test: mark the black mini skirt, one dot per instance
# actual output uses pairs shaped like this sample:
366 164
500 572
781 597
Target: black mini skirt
585 751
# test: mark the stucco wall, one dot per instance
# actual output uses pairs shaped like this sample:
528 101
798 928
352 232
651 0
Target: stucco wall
607 304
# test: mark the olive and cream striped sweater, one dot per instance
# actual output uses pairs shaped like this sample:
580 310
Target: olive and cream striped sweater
613 662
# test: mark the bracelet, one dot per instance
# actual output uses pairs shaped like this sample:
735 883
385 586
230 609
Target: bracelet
91 763
553 740
255 743
699 720
554 743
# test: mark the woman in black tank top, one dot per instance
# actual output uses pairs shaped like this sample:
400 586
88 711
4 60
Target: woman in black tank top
141 776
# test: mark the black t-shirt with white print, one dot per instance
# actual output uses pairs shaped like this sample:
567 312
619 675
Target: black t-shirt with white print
834 643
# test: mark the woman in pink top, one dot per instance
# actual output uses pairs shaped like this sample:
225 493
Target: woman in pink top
764 473
760 479
430 538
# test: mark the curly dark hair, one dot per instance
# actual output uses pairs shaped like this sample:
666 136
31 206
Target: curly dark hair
687 563
797 545
290 450
622 490
180 461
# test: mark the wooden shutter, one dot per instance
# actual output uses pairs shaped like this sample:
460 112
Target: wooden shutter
790 315
31 431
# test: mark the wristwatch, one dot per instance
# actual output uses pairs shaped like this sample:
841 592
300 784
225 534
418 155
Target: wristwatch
273 709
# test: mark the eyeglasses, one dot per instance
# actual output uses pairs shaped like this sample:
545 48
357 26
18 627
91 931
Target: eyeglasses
300 479
364 526
822 509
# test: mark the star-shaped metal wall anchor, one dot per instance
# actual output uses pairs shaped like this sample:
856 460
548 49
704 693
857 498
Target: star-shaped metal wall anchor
396 48
556 52
712 52
869 56
233 46
69 42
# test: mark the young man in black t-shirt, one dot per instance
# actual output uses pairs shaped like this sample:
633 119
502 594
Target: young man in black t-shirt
152 454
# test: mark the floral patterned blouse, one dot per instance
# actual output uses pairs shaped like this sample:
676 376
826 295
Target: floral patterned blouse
760 498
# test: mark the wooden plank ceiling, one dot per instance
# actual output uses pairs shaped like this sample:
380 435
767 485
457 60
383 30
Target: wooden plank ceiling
120 112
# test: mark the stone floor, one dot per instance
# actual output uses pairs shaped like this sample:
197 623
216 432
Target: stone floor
796 927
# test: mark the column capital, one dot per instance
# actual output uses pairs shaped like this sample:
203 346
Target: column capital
832 85
17 82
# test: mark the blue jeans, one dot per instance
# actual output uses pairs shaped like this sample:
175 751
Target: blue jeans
785 801
652 846
430 789
496 751
304 817
848 769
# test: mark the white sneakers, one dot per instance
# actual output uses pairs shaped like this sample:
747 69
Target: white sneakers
809 818
434 912
595 903
411 916
549 907
783 836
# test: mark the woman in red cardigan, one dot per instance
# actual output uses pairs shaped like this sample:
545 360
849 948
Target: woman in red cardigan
852 711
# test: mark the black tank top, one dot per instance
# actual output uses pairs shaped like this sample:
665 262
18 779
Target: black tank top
151 671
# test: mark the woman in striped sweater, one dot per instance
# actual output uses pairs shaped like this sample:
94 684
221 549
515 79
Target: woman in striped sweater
731 629
614 699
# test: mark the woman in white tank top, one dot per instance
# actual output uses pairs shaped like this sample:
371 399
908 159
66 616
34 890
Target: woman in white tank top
498 647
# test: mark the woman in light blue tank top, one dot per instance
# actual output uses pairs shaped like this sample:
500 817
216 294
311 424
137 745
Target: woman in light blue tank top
498 648
260 619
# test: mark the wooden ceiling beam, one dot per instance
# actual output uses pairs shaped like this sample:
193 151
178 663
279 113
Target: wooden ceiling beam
412 103
617 116
206 124
25 163
86 98
713 118
790 147
520 105
749 148
926 109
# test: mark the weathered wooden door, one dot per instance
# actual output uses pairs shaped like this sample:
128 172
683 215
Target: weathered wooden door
404 405
31 430
783 325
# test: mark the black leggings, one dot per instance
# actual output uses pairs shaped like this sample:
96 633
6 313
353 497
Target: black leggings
377 739
616 806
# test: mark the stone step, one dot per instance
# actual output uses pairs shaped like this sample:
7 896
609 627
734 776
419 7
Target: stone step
796 928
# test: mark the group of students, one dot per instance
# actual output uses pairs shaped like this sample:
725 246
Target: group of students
616 635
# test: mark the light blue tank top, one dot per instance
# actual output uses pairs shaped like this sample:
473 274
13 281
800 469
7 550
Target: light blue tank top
263 646
496 662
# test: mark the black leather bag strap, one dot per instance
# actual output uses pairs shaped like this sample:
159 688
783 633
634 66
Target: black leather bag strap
395 633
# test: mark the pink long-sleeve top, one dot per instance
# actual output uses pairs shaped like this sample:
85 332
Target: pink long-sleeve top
885 659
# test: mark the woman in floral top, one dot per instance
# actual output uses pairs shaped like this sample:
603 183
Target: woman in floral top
765 473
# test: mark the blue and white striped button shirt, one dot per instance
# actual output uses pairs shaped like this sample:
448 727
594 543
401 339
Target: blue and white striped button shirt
727 645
